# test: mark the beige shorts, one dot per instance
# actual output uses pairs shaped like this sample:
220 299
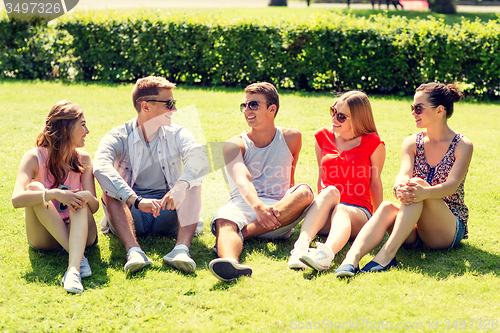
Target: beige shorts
242 214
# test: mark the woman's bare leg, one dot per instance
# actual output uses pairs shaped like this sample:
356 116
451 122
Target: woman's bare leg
373 232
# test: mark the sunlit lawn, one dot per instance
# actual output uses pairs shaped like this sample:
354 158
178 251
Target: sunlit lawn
428 286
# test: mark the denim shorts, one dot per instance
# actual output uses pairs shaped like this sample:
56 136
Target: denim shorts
366 211
146 224
459 235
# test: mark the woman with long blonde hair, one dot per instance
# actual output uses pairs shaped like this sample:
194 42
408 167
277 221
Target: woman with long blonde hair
350 158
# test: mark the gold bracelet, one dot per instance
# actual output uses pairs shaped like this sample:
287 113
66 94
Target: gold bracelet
43 197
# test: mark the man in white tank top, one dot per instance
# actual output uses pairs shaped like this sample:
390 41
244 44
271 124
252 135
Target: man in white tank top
264 200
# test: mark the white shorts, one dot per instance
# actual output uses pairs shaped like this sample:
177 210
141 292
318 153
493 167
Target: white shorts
242 214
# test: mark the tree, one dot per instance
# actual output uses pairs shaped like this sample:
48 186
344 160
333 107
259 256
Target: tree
442 6
278 3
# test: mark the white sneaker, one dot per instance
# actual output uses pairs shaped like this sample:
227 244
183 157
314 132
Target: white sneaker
72 283
320 258
85 270
136 260
181 260
294 261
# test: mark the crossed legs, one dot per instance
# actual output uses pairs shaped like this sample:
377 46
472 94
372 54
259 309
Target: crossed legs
229 243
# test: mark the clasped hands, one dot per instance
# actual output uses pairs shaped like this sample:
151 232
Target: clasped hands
409 192
267 216
172 200
73 199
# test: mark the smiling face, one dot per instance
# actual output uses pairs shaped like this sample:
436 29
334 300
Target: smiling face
345 128
79 132
428 114
158 111
263 115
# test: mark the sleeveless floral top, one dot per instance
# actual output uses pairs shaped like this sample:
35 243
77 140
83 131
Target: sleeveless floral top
438 174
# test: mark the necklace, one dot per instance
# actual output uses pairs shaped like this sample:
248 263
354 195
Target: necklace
354 137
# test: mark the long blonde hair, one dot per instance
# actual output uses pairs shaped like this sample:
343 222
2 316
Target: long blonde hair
361 112
56 137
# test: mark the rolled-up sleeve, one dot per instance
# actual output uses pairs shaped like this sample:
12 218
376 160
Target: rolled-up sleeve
196 165
110 149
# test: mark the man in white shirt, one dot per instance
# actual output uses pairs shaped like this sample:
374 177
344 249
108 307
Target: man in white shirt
145 190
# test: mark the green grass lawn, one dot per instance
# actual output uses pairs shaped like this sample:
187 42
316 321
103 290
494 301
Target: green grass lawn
428 288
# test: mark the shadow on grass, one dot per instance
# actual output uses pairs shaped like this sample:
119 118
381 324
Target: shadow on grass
277 248
440 264
49 267
154 247
223 286
437 264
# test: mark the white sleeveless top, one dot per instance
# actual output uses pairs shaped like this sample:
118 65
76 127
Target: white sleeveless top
270 168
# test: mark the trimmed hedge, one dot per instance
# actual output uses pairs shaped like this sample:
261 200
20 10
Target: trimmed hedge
24 50
328 52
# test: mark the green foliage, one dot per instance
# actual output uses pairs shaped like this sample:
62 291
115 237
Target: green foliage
33 50
23 52
328 51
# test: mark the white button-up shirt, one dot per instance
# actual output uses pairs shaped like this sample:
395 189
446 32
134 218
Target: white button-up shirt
120 152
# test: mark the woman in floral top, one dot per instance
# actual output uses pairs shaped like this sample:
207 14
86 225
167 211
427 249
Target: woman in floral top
429 186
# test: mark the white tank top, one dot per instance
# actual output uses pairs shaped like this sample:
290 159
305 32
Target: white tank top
270 167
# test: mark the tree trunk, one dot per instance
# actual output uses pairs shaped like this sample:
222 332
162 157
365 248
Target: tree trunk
278 3
442 6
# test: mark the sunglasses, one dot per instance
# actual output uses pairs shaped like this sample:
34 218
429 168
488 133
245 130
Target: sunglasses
341 117
168 103
252 105
63 207
419 108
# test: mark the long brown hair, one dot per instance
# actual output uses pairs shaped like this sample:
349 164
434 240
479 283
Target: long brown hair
56 137
361 112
